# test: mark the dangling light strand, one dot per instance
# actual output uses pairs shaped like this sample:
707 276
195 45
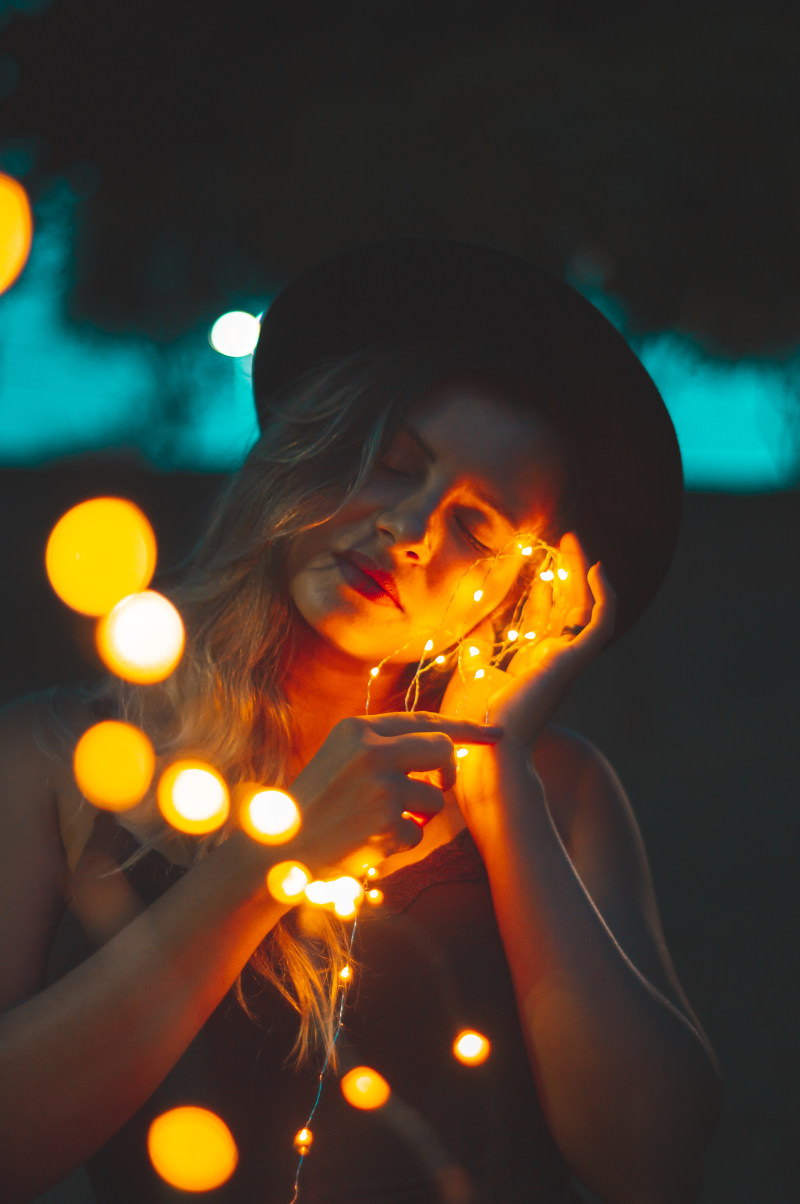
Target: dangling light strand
304 1138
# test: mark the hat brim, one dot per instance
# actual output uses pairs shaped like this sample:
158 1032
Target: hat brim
426 289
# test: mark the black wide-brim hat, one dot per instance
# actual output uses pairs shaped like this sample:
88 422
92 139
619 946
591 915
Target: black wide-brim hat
424 289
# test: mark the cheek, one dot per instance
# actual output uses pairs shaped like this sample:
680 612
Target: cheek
474 591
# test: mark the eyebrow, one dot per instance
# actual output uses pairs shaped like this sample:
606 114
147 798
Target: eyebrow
480 493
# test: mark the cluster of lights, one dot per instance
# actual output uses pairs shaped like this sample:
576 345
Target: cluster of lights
550 570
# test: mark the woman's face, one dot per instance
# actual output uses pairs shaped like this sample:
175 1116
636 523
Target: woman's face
440 518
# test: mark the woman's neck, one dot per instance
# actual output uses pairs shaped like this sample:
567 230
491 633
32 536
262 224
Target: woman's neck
322 687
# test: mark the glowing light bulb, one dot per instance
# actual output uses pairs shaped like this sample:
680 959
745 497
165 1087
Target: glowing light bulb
319 893
471 1047
235 333
526 551
479 674
512 635
375 896
287 880
271 817
193 797
547 575
478 595
429 645
473 651
438 660
374 672
371 871
302 1141
114 764
16 230
563 574
142 638
462 752
364 1088
345 892
346 973
530 635
98 552
192 1149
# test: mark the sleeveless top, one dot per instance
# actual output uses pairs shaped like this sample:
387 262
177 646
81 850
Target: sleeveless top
430 962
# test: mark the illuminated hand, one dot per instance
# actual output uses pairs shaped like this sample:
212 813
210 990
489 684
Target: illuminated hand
572 620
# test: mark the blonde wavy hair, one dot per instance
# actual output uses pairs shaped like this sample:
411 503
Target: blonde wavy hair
324 434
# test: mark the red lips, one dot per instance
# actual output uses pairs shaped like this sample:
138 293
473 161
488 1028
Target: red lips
382 578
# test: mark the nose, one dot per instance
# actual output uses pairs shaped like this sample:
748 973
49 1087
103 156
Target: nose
409 527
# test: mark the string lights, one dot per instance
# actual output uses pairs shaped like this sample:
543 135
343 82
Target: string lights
114 763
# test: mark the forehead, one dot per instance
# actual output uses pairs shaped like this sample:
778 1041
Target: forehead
483 437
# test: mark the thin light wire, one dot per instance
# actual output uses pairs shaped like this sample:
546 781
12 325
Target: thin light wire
326 1063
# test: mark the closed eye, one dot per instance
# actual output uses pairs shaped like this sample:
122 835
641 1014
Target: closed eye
395 472
476 543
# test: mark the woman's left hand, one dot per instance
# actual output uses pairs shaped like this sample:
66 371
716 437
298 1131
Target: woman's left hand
573 620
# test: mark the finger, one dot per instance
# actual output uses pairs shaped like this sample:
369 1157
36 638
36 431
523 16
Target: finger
461 731
443 778
422 752
403 834
600 628
573 600
421 799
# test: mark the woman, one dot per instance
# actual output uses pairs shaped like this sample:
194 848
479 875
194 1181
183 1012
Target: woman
441 423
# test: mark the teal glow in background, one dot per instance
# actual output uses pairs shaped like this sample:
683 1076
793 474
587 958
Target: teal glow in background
63 394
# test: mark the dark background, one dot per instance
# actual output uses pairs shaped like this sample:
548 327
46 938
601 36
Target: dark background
213 151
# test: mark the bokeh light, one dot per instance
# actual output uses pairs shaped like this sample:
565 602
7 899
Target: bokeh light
471 1047
193 797
302 1141
98 552
364 1088
287 880
343 894
142 638
270 816
16 230
192 1149
113 764
235 333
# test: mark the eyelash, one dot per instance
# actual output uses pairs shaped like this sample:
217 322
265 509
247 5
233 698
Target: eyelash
475 543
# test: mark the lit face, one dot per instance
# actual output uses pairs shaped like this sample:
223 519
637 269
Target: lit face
438 522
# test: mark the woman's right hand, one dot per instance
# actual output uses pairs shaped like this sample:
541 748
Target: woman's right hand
356 787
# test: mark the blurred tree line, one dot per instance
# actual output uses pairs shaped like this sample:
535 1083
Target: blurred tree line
215 150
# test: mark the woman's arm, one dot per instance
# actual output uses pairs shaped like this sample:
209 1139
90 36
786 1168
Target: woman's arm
626 1078
78 1058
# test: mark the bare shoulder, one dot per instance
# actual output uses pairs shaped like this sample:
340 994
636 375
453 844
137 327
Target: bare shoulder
592 813
600 832
33 863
